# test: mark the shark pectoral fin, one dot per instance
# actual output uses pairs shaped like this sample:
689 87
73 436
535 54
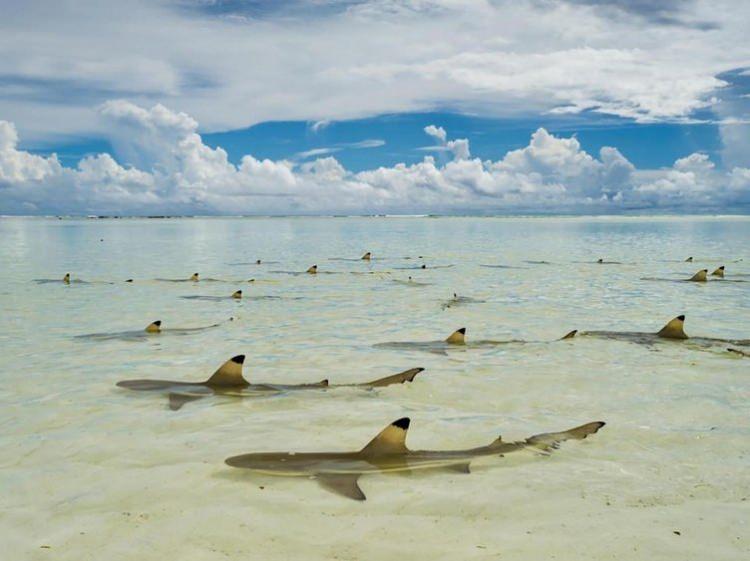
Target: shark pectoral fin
344 484
400 378
459 468
549 441
177 400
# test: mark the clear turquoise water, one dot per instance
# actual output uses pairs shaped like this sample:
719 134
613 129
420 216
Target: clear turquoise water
95 472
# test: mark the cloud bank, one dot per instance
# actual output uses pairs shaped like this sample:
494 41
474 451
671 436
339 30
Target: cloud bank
163 167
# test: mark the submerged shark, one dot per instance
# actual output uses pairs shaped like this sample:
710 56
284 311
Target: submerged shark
456 340
68 280
674 330
339 472
195 277
152 329
460 301
410 282
229 381
236 295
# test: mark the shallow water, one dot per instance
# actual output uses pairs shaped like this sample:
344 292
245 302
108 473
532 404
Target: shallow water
91 471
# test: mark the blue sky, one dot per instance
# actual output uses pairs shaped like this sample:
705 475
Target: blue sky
253 106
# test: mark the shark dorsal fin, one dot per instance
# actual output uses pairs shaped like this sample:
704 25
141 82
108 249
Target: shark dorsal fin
258 262
718 272
569 335
194 277
689 260
154 327
66 278
237 294
312 270
229 374
391 440
600 260
458 337
675 329
367 256
700 276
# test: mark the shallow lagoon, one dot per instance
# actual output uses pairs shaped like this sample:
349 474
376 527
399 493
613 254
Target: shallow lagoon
95 472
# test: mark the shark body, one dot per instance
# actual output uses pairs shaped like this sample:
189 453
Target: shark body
229 381
339 472
153 329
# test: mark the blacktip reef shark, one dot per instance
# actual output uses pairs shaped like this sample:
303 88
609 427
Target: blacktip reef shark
455 341
424 266
153 329
700 277
67 280
312 270
195 277
229 381
366 257
460 301
339 472
411 282
674 330
236 296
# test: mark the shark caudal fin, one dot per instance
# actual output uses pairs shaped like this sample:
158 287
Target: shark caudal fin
569 335
312 270
458 337
154 327
194 277
675 329
400 378
367 256
718 272
689 260
391 440
551 440
229 374
700 276
237 294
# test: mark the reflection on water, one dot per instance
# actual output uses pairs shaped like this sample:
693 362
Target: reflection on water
95 471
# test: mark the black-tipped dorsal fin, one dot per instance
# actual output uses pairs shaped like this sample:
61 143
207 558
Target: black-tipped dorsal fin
700 276
154 327
194 277
569 335
66 278
719 272
312 270
391 440
367 256
675 329
458 337
237 294
689 260
229 374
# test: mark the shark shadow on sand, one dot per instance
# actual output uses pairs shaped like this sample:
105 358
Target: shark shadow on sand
339 472
228 381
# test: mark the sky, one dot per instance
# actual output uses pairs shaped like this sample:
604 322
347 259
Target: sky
246 107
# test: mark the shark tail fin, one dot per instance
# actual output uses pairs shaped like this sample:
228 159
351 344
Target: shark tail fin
391 440
569 335
367 256
154 327
549 441
700 276
237 294
675 329
458 337
400 378
718 272
229 374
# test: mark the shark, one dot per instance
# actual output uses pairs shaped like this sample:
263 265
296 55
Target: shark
229 381
460 301
410 282
366 257
68 280
195 277
673 331
701 276
153 329
455 341
339 472
236 296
